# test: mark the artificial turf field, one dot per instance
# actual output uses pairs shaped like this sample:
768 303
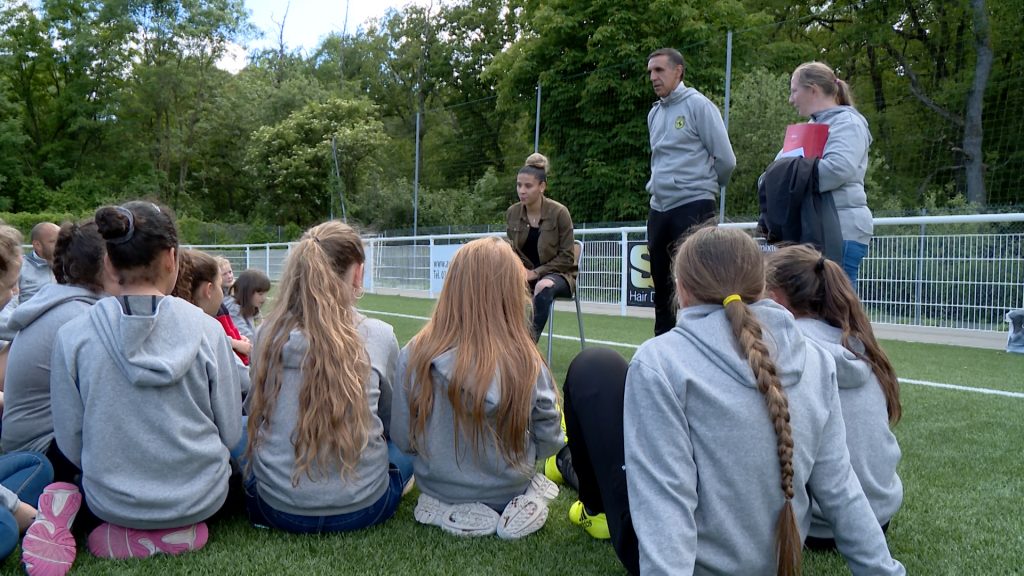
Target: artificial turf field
962 471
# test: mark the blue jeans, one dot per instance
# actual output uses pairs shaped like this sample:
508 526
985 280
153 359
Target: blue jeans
399 472
26 474
853 253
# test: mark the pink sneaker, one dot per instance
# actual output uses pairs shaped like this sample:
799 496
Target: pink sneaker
49 547
112 541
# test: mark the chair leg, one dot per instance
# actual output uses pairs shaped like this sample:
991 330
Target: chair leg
579 319
551 328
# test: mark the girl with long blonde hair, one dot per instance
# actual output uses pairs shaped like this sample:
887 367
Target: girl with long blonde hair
321 391
828 313
730 422
476 405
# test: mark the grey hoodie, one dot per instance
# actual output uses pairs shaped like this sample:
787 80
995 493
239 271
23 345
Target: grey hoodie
471 475
701 453
35 273
246 326
874 451
842 168
27 422
691 157
147 405
326 492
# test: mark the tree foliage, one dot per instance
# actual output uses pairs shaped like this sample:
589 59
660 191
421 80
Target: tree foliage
105 100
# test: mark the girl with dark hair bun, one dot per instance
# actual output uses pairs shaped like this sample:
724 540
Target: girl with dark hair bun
540 231
81 282
723 428
155 379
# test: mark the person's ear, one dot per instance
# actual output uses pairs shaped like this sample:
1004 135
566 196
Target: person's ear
682 296
357 277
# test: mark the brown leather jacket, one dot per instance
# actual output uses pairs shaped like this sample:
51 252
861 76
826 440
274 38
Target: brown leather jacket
555 245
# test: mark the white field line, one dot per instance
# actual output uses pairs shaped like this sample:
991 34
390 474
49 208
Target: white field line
635 346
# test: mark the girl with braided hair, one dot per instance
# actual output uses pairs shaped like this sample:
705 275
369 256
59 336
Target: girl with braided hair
731 422
828 312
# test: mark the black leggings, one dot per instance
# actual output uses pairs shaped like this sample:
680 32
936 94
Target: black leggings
594 387
542 302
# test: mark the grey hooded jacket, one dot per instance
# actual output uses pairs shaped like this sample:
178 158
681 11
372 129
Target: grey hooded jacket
702 454
691 157
27 421
874 451
147 404
469 475
324 492
842 168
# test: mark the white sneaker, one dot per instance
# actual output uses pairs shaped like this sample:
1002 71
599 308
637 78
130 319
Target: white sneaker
524 515
543 487
473 519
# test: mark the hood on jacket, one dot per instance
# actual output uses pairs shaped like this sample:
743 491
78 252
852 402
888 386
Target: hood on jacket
445 366
149 350
49 296
851 371
786 346
828 115
681 93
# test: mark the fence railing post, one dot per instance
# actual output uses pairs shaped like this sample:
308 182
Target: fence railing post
624 272
248 264
919 284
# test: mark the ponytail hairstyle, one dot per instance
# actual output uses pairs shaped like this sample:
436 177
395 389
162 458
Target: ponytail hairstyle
194 268
712 265
536 166
819 74
248 283
136 233
818 288
78 256
317 299
481 314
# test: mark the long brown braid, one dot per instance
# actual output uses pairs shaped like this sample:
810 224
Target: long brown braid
712 265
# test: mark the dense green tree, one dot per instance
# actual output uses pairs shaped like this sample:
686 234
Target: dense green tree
292 160
590 60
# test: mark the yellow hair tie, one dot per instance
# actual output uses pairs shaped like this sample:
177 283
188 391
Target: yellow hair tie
731 298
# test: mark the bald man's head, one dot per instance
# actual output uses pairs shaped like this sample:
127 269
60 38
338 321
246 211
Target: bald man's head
44 240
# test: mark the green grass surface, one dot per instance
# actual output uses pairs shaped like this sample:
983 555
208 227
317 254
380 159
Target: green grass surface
962 469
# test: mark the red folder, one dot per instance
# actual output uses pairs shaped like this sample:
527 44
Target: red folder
810 137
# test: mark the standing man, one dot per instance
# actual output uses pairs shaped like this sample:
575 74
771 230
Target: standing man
36 268
691 159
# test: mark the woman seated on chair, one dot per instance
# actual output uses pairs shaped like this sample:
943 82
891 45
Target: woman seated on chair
540 231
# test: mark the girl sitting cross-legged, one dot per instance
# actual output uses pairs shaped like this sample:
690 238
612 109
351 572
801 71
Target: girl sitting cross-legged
146 402
319 408
475 403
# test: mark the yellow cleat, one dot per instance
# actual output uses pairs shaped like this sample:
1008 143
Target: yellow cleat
596 525
551 470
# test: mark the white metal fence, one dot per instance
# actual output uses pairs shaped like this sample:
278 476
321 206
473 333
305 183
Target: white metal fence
961 272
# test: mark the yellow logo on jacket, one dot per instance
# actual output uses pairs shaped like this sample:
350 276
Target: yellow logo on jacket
680 122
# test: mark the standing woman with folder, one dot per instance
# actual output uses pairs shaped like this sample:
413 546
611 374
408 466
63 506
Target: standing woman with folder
819 94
